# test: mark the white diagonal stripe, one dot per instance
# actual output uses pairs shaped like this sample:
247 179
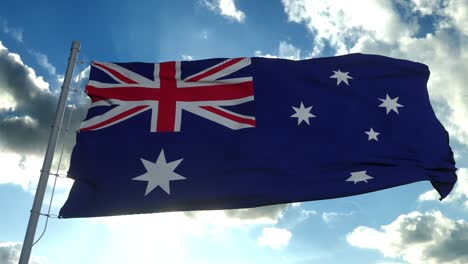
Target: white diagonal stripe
127 73
120 85
110 114
184 84
217 118
156 81
217 102
233 113
235 67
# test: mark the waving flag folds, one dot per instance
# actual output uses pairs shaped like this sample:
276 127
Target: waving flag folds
247 132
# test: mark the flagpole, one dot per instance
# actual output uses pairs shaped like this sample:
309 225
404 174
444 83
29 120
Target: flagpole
48 158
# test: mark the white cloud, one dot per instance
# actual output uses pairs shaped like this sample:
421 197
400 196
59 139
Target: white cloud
56 79
457 12
168 236
285 51
10 253
240 217
145 238
187 57
288 51
24 170
389 262
426 7
44 62
219 217
19 169
296 205
259 53
16 33
7 102
341 22
297 215
329 217
204 34
226 8
308 213
275 238
82 75
431 195
304 215
417 238
459 193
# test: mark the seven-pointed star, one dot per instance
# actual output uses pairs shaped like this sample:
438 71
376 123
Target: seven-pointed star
390 104
159 173
359 176
302 114
341 77
372 134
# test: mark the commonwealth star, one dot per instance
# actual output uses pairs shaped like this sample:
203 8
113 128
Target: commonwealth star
159 173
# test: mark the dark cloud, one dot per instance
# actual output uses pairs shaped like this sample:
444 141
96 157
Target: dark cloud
417 230
454 249
25 129
9 253
418 238
270 213
447 240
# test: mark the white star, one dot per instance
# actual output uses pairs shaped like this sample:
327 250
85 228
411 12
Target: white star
159 173
359 176
341 77
372 134
302 114
390 104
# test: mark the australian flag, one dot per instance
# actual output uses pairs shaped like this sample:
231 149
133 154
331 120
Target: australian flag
247 132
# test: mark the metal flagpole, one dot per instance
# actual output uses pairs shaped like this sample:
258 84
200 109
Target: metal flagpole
49 156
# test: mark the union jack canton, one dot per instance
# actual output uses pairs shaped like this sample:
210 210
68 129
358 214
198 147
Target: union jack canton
203 93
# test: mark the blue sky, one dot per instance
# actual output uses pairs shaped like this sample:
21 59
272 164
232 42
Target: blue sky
399 225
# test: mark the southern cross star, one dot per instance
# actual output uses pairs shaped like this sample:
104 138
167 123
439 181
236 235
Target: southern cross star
359 176
341 77
372 134
390 104
159 173
302 114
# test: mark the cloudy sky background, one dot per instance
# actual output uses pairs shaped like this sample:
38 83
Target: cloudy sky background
401 225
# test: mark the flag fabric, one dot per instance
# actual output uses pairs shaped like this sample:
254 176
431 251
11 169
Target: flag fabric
248 132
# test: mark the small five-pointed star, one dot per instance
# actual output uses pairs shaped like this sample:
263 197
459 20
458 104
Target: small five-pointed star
359 176
372 134
390 104
302 114
341 77
159 173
